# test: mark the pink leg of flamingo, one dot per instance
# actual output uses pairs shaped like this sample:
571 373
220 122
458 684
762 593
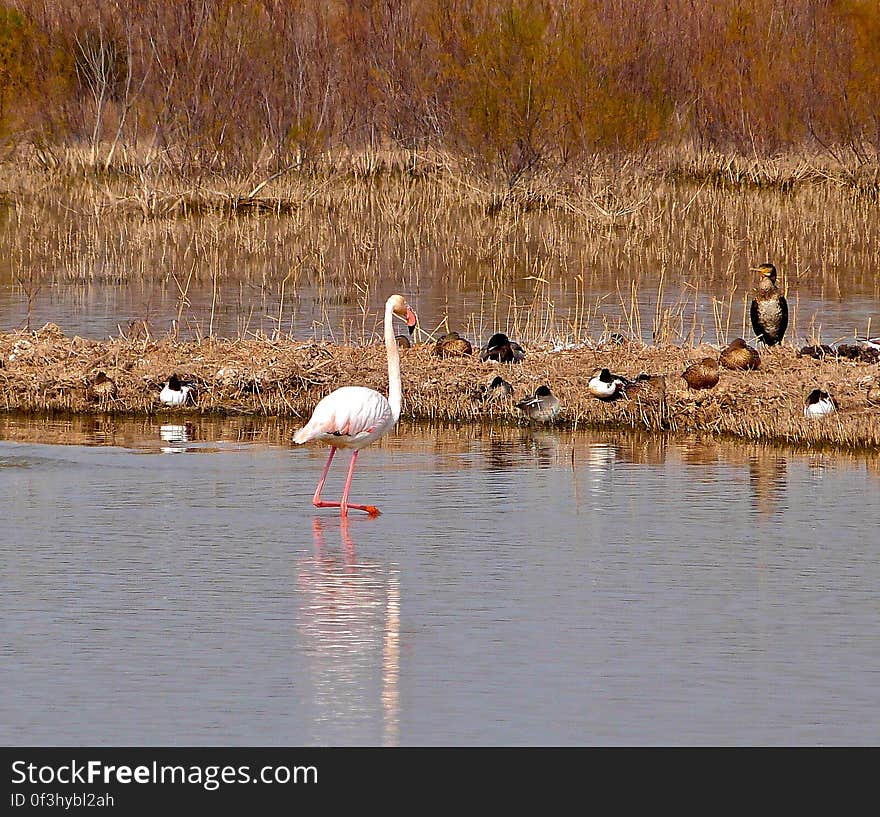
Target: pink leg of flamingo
344 505
316 501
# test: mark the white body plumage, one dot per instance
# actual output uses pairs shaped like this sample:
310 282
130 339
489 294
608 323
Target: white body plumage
354 416
350 417
174 393
605 385
819 404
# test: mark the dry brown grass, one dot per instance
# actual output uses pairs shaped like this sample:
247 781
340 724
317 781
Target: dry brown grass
48 371
648 249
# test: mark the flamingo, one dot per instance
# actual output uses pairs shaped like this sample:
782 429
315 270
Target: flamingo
354 416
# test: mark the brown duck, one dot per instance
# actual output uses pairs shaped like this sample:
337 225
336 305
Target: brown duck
103 387
646 387
817 351
769 311
702 375
739 355
453 345
874 393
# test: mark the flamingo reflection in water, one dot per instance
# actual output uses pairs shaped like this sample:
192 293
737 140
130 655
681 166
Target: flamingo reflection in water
349 622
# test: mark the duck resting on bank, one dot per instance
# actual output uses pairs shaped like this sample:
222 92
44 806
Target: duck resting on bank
702 375
739 356
819 403
544 407
502 349
606 386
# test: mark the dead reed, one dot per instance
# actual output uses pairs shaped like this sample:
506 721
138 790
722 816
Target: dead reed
48 371
635 249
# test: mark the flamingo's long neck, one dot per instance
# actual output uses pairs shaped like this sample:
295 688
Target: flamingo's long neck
391 349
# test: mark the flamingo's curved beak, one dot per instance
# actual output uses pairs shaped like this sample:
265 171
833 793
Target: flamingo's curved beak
411 319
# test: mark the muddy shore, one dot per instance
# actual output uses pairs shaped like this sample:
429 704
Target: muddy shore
48 371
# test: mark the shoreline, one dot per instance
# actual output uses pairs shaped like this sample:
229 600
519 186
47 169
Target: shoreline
48 371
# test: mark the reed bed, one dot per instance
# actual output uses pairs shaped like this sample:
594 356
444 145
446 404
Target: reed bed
656 252
49 371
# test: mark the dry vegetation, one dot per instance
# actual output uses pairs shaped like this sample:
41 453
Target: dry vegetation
510 86
247 89
572 167
47 371
654 258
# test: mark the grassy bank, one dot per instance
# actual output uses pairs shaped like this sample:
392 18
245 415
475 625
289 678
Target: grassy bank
49 371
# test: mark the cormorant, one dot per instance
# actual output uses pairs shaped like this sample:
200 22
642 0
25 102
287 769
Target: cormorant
769 311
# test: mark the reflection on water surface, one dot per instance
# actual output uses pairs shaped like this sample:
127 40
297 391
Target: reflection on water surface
521 587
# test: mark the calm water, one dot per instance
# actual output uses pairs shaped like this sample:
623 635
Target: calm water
175 586
100 310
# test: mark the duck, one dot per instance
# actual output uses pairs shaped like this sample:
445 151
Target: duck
544 407
819 404
769 312
103 387
863 351
817 351
453 345
175 392
403 342
606 386
858 351
502 349
873 393
499 387
702 375
646 386
738 355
